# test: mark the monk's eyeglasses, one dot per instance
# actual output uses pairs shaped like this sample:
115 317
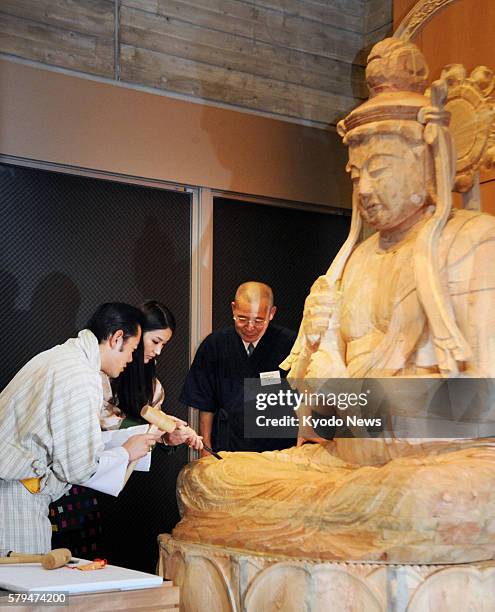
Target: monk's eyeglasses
257 322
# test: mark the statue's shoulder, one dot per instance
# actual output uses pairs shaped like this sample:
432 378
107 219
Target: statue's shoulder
475 218
365 247
469 223
465 232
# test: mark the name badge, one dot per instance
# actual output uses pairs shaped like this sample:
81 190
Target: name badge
270 378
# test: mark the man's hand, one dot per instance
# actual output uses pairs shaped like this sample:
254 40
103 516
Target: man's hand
139 445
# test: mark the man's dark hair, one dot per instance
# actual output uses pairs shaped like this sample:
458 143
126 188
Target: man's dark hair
112 316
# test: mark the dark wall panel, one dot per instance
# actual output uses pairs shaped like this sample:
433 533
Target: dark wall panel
285 248
69 243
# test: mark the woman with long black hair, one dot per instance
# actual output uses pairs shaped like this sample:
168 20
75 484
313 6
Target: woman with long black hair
147 505
138 385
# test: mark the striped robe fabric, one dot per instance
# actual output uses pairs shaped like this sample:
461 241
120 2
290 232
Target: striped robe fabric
49 428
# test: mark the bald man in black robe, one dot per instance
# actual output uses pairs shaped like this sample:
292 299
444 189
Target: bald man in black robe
225 358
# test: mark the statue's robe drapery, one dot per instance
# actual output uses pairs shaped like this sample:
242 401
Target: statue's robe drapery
383 325
396 500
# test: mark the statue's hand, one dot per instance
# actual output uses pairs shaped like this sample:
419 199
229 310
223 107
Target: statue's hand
320 310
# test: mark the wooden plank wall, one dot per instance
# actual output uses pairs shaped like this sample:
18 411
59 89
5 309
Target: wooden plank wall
296 59
76 35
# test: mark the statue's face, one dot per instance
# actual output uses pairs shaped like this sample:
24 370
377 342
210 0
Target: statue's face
389 180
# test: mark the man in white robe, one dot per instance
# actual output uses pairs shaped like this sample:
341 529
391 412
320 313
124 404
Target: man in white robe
50 431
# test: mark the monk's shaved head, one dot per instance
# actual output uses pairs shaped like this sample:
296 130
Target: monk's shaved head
254 292
252 310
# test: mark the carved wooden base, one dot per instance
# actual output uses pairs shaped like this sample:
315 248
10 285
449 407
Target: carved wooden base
225 580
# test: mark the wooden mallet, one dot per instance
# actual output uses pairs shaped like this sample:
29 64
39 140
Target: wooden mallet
57 557
158 419
165 424
162 421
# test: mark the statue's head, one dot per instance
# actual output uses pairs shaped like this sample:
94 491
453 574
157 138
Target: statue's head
391 165
391 177
401 159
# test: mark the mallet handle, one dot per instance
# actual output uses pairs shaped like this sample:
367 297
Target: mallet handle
52 560
21 559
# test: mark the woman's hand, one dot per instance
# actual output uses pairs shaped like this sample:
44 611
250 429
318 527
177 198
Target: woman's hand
139 445
184 435
179 422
